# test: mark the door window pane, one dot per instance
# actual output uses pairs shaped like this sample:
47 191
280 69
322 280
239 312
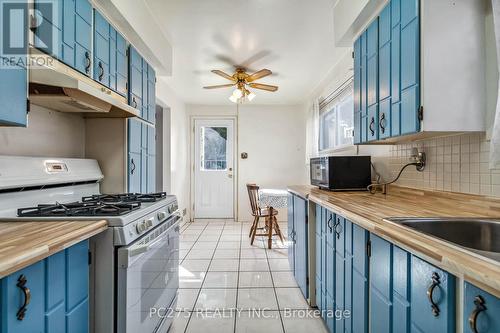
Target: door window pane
213 148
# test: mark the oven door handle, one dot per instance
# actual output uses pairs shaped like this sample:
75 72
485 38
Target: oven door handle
135 251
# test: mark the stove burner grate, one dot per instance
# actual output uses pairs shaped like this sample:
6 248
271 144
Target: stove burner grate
79 209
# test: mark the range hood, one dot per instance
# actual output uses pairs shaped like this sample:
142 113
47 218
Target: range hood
59 87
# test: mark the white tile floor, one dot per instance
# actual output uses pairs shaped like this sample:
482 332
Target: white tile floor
228 285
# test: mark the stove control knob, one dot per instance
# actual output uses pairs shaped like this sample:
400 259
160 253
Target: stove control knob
149 222
161 216
140 228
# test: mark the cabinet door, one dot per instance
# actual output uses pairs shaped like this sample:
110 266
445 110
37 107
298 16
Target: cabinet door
13 297
410 66
372 80
121 65
300 226
380 285
430 283
330 268
151 94
59 289
364 88
319 257
102 44
48 27
134 172
341 287
290 231
357 91
83 36
395 66
384 85
13 96
481 310
359 304
135 79
151 160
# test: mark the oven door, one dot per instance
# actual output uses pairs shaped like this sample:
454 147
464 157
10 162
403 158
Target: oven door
148 279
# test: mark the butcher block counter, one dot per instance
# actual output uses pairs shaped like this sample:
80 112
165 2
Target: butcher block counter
370 212
24 243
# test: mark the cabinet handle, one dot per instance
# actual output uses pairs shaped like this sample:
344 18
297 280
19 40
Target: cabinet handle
372 124
329 225
336 228
101 71
132 170
382 123
134 102
480 307
430 293
88 62
21 283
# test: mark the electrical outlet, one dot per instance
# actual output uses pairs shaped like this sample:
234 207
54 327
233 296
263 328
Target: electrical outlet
184 212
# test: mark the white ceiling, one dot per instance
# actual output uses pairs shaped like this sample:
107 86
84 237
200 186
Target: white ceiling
293 38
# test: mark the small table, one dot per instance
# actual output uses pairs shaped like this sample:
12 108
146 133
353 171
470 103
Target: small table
273 198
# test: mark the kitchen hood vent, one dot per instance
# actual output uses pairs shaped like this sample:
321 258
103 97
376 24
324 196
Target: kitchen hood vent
59 87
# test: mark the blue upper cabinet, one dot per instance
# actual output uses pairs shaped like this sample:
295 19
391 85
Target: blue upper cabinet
141 157
57 290
410 66
135 80
142 83
110 56
481 310
387 74
13 95
102 49
13 74
63 29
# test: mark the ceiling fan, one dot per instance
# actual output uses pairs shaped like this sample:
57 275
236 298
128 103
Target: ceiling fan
242 80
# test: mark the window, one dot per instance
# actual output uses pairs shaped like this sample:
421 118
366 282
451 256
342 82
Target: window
213 148
336 118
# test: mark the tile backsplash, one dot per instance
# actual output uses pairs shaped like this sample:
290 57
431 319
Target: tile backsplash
456 163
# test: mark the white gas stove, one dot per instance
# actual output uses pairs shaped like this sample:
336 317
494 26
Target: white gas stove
139 251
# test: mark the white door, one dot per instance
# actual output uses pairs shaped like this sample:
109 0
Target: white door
213 168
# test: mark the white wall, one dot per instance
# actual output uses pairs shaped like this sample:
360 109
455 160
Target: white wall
178 166
49 133
274 138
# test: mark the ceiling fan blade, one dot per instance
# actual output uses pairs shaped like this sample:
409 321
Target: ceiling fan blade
224 75
258 75
263 86
220 86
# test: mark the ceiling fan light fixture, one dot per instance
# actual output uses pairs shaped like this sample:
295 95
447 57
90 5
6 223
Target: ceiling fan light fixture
237 93
233 99
251 96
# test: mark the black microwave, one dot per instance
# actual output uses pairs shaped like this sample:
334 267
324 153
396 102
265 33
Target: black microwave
341 173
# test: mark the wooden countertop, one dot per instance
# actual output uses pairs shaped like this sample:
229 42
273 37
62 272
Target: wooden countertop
24 243
371 211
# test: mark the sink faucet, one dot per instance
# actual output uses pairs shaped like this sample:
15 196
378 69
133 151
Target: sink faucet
417 158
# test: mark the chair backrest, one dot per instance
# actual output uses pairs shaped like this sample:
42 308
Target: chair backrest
253 195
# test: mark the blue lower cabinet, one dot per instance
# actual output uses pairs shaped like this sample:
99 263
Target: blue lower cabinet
432 298
319 258
58 289
481 310
291 248
357 278
297 237
380 285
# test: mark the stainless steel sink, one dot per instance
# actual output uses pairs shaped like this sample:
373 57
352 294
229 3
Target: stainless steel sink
478 235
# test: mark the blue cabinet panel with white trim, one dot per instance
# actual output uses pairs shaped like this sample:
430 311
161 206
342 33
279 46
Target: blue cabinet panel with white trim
390 60
58 292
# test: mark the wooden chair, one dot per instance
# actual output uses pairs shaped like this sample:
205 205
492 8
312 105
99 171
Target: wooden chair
268 213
